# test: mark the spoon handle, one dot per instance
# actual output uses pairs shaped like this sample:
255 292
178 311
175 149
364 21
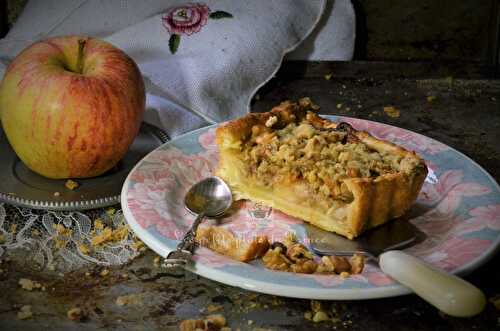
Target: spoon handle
184 251
188 243
450 294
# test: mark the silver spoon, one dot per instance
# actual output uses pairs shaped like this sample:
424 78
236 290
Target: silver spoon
210 197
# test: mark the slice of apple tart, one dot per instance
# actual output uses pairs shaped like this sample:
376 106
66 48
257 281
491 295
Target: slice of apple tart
331 175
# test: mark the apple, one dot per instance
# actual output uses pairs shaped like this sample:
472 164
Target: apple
71 106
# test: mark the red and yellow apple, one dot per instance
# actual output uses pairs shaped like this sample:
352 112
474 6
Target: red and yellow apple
71 106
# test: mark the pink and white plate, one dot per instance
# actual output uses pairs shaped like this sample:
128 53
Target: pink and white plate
458 210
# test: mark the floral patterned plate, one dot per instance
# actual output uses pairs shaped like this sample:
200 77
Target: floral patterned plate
458 210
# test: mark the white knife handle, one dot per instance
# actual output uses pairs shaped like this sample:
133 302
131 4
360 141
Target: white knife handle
450 294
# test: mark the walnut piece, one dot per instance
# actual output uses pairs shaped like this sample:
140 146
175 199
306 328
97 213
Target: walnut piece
304 266
274 259
296 252
357 263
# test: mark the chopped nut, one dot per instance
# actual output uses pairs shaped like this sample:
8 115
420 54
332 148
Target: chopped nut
392 111
271 121
71 184
297 251
75 314
333 264
357 263
290 239
304 267
274 259
25 312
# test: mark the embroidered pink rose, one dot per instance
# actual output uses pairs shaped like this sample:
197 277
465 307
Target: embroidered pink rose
186 20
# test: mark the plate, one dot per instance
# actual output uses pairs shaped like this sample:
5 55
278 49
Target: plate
21 186
458 210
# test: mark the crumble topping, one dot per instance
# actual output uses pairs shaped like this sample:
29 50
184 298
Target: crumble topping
322 158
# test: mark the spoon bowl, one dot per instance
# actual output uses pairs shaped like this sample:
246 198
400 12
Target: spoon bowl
210 197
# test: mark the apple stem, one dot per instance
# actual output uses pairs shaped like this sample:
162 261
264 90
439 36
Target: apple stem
79 61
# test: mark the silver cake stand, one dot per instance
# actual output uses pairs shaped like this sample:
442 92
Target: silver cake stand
22 187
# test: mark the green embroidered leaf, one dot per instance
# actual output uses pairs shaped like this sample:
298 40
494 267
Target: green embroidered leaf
220 14
173 43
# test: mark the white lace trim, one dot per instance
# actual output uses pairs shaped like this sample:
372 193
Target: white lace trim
65 241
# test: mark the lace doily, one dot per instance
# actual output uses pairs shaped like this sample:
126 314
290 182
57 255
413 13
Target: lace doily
65 241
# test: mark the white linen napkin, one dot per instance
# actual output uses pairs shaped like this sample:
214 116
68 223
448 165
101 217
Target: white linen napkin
202 62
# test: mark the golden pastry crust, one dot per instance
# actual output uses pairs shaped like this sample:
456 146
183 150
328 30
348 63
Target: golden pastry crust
357 199
224 242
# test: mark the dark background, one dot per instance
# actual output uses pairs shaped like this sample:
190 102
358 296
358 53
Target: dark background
403 30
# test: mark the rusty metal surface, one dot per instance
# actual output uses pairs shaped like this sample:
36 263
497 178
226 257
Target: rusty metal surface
464 113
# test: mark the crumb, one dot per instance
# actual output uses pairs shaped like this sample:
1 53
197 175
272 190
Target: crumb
320 316
213 308
343 86
348 109
25 312
308 315
250 322
87 274
344 274
84 249
75 314
216 319
124 276
71 184
328 76
339 105
56 194
28 284
495 301
104 272
129 300
431 98
257 97
156 261
98 224
392 111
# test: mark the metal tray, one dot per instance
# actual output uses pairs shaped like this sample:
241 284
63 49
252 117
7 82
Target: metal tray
21 186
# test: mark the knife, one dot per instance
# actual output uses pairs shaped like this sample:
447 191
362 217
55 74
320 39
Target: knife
450 294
